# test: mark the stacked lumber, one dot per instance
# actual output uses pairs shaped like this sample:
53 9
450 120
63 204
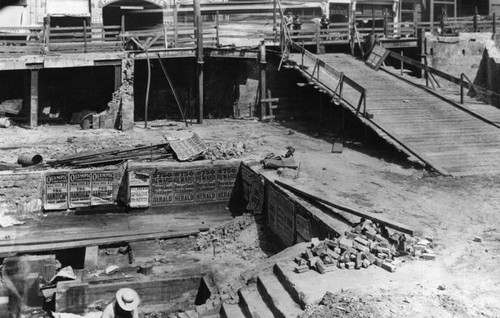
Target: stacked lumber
113 156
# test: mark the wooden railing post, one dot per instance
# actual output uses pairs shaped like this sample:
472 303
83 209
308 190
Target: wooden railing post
402 63
494 24
47 34
373 20
84 36
317 40
462 88
441 25
474 20
176 27
385 23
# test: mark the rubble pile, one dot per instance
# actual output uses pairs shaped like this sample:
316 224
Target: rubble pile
224 150
364 245
224 234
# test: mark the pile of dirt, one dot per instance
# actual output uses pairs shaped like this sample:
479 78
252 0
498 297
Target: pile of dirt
345 305
225 150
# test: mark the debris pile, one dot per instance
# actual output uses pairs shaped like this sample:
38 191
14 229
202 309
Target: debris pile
224 150
364 245
224 234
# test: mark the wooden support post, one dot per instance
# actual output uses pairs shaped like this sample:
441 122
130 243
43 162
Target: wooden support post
123 24
432 16
33 83
118 77
199 57
421 49
91 257
275 27
84 36
176 27
373 20
217 25
263 86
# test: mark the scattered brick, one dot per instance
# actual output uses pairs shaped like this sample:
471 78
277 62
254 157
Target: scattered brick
366 263
345 243
478 239
389 267
361 241
350 265
428 256
301 269
361 247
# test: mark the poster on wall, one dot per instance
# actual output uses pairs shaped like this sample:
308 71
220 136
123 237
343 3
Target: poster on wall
139 196
56 191
102 190
139 189
226 177
281 215
79 189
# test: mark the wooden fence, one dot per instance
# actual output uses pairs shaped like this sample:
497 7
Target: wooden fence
99 38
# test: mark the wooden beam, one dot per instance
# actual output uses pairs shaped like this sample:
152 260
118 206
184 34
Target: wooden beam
34 87
367 215
118 76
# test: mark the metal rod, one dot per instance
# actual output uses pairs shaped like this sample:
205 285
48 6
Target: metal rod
148 86
402 63
164 69
84 36
462 88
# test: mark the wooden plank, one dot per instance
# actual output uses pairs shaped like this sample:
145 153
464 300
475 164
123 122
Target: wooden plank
367 215
99 241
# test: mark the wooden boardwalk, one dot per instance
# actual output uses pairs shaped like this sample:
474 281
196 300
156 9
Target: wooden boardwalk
443 136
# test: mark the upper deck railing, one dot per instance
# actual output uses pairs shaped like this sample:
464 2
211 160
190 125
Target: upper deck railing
39 40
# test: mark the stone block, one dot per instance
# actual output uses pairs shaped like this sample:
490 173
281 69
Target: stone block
301 269
345 243
361 241
428 256
350 265
361 248
366 263
389 267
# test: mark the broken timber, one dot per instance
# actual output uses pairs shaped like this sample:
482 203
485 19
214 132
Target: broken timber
367 215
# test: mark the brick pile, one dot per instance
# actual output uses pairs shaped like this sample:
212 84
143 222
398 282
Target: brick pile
365 245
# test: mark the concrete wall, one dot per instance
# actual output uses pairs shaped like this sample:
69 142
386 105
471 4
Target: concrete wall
455 55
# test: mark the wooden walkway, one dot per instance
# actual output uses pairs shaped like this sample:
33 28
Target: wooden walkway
443 136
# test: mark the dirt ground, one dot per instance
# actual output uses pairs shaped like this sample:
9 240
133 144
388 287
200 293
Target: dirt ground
465 278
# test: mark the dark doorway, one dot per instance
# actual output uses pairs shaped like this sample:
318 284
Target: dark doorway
131 11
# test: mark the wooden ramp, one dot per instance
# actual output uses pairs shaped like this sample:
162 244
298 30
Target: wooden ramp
443 136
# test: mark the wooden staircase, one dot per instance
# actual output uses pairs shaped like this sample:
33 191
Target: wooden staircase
267 298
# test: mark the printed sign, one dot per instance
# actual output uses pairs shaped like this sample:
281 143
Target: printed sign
303 228
188 148
139 196
225 182
160 3
178 186
56 191
377 57
102 188
79 189
281 211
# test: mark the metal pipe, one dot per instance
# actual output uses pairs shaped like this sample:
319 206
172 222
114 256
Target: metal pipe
148 86
462 88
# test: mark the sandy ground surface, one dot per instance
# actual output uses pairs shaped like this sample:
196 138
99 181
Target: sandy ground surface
451 211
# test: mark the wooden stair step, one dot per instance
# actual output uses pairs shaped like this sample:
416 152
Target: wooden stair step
252 303
277 297
231 311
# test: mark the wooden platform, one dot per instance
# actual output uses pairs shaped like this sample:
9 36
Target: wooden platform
58 232
447 138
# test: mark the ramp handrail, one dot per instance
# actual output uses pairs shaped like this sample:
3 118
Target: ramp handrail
320 65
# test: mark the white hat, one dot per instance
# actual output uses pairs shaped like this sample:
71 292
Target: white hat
127 299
